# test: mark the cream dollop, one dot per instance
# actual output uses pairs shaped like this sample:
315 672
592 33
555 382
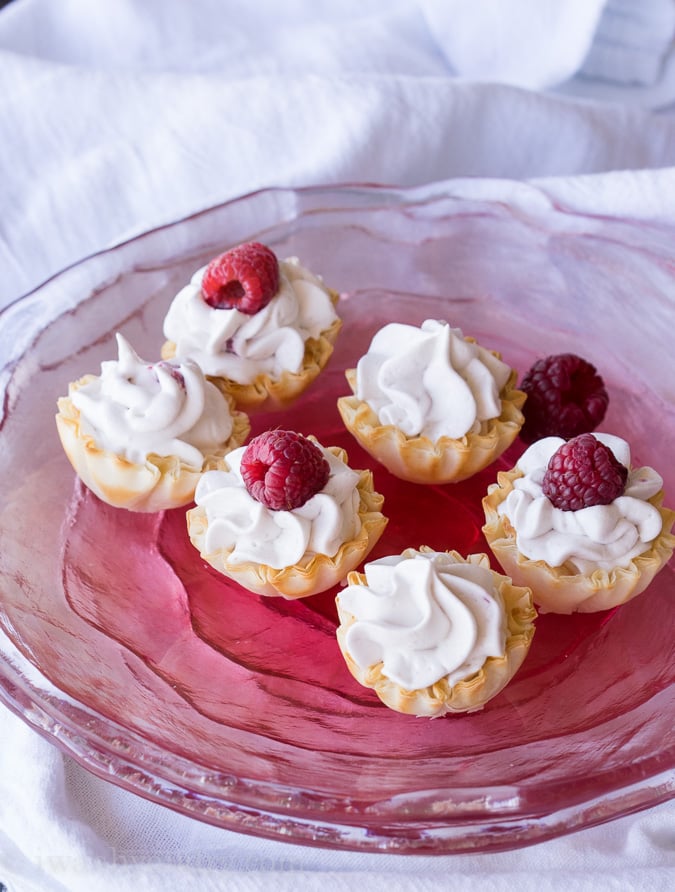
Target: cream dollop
601 536
278 538
429 381
425 618
135 409
231 344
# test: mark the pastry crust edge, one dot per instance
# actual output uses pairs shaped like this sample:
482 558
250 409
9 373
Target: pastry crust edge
560 589
421 460
160 483
311 575
265 393
470 694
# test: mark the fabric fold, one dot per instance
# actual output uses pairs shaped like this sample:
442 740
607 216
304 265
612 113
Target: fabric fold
117 118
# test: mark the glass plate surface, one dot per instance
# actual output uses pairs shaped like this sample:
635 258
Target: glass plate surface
153 672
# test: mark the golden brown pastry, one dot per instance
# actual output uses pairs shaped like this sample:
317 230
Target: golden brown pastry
140 435
263 328
432 632
287 527
585 557
431 405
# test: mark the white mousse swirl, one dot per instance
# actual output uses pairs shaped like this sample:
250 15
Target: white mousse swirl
255 533
601 536
430 381
136 409
229 344
425 618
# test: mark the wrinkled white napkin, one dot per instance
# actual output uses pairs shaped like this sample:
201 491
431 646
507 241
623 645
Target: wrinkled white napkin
632 55
528 43
118 117
115 124
64 830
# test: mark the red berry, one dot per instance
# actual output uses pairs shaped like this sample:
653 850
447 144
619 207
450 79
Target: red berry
245 278
583 472
565 397
283 469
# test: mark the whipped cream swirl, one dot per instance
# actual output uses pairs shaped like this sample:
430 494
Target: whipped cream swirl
229 344
136 409
429 381
425 618
599 537
278 538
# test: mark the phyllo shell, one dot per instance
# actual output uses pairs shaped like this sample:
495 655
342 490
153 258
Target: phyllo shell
314 573
562 589
446 460
473 692
159 483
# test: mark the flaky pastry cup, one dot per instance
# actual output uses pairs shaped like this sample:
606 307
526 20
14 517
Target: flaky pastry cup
562 589
473 692
421 460
265 393
312 574
160 483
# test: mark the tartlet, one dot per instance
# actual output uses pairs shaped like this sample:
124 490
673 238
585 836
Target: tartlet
231 529
417 456
161 478
576 583
473 679
268 353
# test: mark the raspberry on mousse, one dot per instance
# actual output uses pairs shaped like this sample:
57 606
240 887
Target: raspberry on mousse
283 469
578 523
261 328
288 517
582 473
245 278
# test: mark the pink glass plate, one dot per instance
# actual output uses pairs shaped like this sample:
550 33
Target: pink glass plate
153 672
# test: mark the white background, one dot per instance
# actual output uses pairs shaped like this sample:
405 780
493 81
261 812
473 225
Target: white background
117 116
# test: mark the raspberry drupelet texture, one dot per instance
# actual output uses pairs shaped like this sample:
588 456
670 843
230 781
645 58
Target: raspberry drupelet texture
565 397
582 473
283 469
245 278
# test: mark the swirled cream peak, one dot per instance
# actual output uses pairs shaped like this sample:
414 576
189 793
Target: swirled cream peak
136 409
229 344
599 537
425 618
430 381
278 539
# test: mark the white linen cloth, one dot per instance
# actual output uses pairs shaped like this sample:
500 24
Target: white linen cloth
117 117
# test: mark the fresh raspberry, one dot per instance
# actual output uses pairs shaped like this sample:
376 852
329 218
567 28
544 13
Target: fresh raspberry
245 278
565 397
283 469
583 472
